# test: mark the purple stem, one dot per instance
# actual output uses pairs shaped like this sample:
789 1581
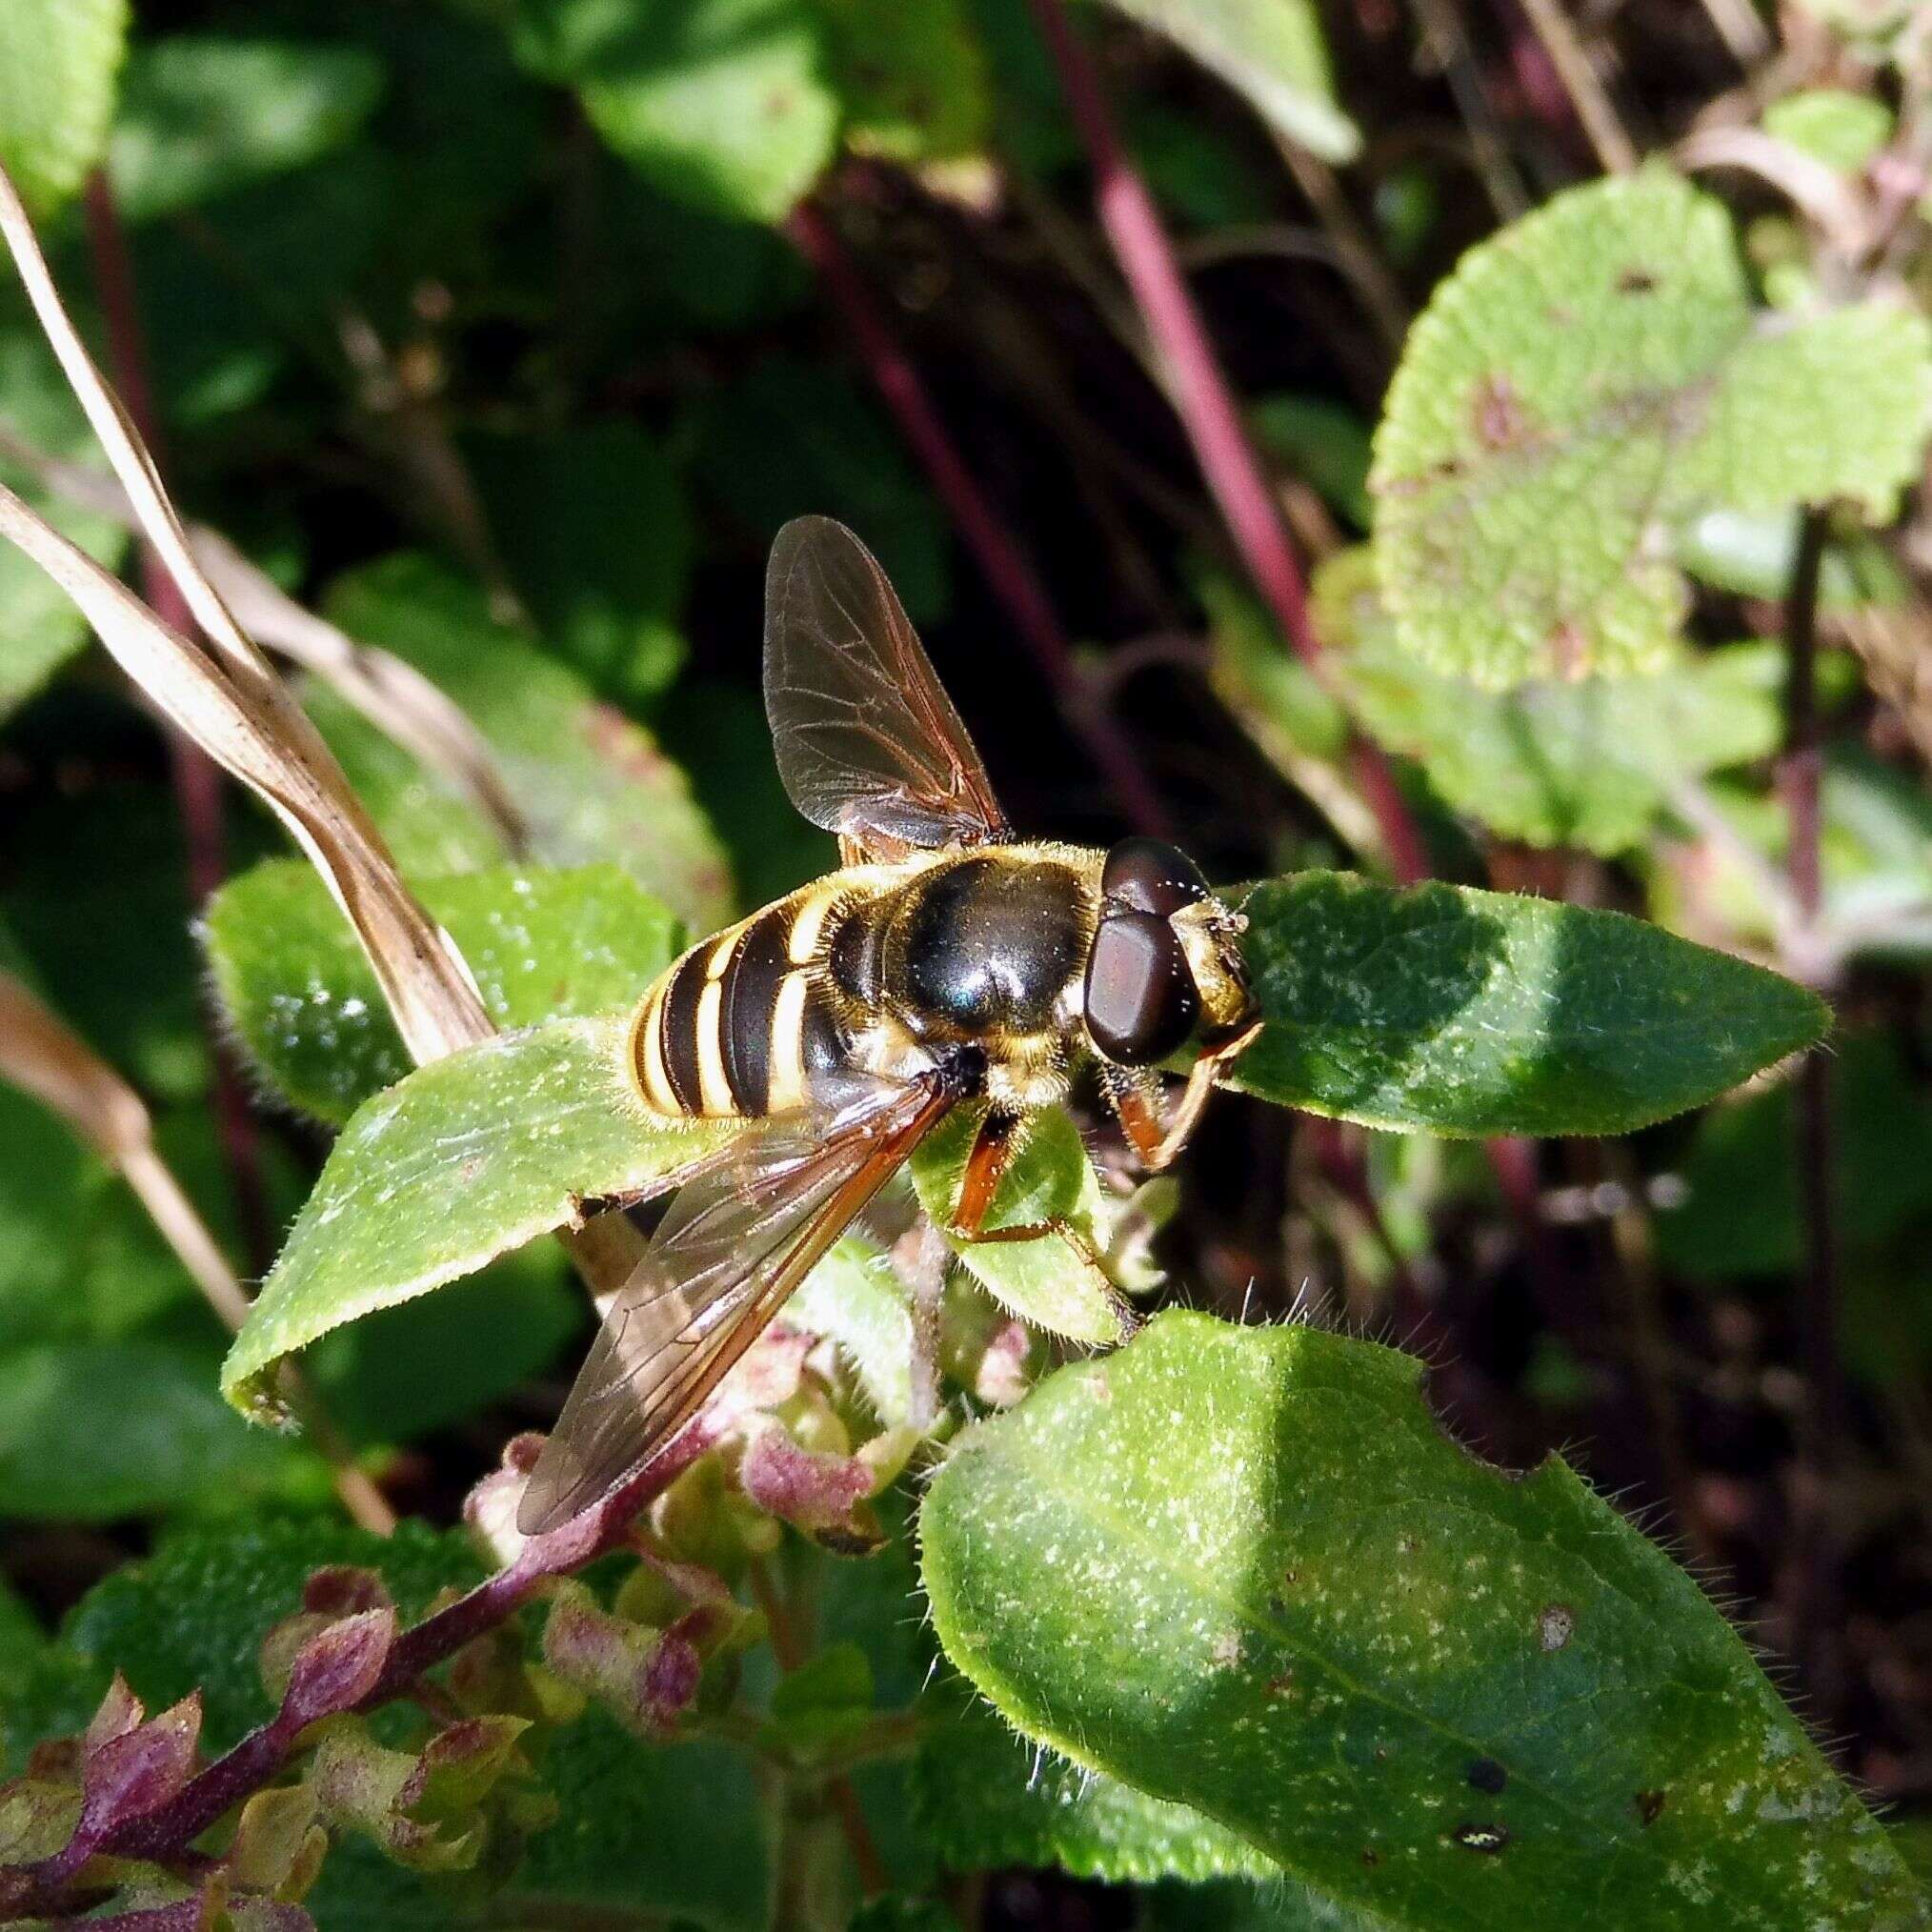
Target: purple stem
1011 577
172 1827
1800 771
1206 405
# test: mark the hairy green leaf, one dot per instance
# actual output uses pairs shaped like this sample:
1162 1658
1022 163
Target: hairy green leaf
58 63
541 945
721 103
591 785
1247 1570
202 115
1577 390
1270 51
990 1800
1466 1012
464 1160
676 1832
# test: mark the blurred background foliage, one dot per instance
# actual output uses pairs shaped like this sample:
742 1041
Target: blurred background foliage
484 328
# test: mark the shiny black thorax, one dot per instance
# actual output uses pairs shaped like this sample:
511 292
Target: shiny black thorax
983 946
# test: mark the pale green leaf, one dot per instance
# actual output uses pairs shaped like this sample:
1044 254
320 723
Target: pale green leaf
465 1160
1464 1012
591 785
723 104
299 992
1247 1570
1048 1283
1583 386
989 1799
1833 125
1270 51
203 115
58 63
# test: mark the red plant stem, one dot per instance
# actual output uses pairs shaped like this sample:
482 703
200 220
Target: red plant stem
195 778
1207 407
1800 771
1013 579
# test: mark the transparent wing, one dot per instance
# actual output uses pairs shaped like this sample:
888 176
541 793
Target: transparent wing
742 1232
868 743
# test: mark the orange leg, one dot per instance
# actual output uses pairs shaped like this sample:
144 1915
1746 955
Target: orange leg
998 1140
1137 1104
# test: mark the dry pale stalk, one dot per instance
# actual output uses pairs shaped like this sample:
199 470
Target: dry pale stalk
44 1059
222 692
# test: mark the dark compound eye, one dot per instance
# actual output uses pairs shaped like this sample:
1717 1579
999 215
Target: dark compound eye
1140 997
1152 876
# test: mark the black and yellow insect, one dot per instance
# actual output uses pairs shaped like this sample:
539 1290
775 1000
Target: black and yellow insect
944 962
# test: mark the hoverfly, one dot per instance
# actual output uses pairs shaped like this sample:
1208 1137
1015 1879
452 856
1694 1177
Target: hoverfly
944 962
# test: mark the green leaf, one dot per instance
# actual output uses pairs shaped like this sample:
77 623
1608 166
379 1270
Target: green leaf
195 1613
58 62
229 292
1588 763
1464 1012
298 988
1457 1697
677 1833
1321 442
913 79
1047 1281
591 785
592 524
1581 386
854 1297
93 1431
1270 51
1740 1213
202 115
1832 125
721 103
39 627
988 1798
464 1160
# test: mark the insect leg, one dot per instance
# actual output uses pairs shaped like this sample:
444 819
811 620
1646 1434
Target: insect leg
998 1140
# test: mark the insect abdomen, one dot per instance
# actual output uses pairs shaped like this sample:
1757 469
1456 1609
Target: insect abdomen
737 1027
